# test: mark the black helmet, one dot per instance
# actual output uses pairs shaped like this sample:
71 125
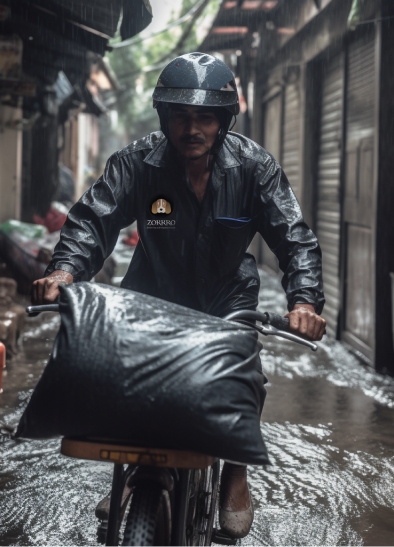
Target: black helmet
201 80
197 79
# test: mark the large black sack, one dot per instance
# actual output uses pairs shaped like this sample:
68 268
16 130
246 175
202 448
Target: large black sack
130 366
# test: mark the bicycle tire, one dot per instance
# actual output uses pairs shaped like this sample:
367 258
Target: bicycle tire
149 518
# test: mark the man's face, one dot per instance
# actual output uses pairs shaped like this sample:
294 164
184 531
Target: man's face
193 130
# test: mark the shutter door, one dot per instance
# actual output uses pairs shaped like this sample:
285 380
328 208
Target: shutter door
328 186
291 137
272 138
360 95
359 179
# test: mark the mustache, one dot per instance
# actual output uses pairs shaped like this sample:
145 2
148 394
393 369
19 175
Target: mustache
188 139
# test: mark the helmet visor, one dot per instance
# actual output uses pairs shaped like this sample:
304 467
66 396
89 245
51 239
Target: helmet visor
197 97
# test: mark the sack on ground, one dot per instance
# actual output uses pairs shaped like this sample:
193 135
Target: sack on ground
130 366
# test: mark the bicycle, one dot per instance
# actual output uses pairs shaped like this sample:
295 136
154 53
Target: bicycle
171 494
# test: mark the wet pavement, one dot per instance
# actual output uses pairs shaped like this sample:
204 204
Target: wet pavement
329 426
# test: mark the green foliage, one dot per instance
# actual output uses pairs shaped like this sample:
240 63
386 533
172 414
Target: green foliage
132 65
356 13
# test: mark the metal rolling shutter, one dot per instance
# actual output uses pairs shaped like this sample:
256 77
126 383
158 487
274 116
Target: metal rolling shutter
359 193
328 186
360 93
272 142
291 137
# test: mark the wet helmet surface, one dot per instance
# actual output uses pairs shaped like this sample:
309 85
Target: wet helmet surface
197 79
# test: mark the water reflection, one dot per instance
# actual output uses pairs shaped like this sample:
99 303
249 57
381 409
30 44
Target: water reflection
328 422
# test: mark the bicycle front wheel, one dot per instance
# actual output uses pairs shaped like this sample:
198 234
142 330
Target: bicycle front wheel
149 518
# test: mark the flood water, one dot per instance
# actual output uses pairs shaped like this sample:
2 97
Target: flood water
329 426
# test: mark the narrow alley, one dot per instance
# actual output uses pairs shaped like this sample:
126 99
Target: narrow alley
180 149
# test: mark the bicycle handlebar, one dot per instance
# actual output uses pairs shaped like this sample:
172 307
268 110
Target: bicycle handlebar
266 318
32 311
272 324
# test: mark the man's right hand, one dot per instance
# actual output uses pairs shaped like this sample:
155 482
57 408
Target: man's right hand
46 290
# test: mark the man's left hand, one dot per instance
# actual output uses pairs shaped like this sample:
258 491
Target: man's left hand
305 322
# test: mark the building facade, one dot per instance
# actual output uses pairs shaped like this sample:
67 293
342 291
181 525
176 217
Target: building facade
322 82
52 81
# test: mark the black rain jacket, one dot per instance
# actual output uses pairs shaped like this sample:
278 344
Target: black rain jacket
194 255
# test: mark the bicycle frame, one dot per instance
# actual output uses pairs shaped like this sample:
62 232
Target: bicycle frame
118 484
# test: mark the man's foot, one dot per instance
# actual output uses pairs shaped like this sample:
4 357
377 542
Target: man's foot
102 509
235 509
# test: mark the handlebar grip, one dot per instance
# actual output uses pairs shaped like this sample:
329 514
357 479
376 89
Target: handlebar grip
33 311
277 321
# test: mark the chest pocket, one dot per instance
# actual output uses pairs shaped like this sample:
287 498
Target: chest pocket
229 243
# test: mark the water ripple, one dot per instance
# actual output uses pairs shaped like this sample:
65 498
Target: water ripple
337 364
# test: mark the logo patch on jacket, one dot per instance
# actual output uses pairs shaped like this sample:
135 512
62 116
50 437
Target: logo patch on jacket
161 207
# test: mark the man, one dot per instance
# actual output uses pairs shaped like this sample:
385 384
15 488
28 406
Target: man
199 195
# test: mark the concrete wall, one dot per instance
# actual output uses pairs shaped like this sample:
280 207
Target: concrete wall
10 162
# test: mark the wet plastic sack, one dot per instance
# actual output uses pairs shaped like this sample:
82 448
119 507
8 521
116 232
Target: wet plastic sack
130 366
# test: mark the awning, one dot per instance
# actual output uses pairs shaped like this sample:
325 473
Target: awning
86 23
57 34
236 20
103 15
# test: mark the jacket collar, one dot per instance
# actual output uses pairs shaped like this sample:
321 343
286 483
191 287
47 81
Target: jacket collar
157 155
227 157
